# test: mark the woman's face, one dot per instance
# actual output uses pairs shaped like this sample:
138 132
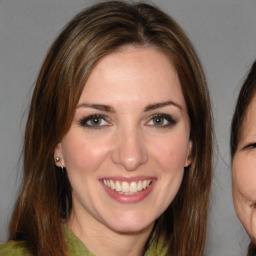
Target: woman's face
128 144
244 172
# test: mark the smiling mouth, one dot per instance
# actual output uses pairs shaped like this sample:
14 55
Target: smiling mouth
127 188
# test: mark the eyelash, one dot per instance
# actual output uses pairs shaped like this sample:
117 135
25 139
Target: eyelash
162 118
253 205
252 145
84 122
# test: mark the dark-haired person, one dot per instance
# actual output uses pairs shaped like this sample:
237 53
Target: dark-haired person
243 153
117 149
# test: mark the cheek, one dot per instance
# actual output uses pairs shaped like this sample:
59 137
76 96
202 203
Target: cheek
171 152
244 177
244 188
82 154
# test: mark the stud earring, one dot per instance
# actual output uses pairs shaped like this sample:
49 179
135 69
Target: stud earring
57 159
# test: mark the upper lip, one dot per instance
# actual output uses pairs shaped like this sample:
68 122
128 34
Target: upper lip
128 186
128 179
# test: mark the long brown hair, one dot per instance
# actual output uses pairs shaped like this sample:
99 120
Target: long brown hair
45 197
245 96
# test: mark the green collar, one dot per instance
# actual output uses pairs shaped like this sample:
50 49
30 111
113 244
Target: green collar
75 246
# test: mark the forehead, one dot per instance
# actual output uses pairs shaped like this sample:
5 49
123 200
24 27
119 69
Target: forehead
131 70
248 127
128 59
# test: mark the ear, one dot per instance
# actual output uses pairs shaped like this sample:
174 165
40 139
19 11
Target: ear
188 157
58 156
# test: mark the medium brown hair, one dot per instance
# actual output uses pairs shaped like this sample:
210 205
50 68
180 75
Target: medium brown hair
244 99
45 197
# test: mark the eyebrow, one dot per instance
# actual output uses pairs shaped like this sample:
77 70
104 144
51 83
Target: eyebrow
100 107
110 109
161 105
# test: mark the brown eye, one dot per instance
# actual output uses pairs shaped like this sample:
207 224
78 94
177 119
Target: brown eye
251 145
253 205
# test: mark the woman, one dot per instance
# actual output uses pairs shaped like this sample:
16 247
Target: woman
243 144
117 150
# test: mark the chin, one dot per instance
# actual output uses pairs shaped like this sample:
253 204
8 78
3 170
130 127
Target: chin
132 224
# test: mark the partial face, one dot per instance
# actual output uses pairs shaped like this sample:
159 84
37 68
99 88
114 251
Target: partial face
128 144
244 173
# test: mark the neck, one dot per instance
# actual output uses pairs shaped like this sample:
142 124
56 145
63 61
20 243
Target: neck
94 233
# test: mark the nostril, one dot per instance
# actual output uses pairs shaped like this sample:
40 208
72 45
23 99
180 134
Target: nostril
130 154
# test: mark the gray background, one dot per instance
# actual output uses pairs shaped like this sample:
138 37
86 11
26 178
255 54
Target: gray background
222 31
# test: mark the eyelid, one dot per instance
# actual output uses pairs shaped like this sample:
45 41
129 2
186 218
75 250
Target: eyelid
171 121
250 145
83 121
253 205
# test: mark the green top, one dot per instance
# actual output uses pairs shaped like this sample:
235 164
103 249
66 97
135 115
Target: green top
75 247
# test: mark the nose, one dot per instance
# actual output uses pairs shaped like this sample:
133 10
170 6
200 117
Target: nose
130 150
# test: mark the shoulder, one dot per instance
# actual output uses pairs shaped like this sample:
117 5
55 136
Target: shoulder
12 248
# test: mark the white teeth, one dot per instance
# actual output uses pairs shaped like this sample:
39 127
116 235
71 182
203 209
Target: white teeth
144 184
123 187
112 185
140 186
118 186
133 187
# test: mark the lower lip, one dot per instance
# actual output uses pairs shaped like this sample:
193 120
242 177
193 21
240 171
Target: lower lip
135 198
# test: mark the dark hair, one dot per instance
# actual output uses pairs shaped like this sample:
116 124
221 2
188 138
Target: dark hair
245 96
251 249
244 99
45 197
